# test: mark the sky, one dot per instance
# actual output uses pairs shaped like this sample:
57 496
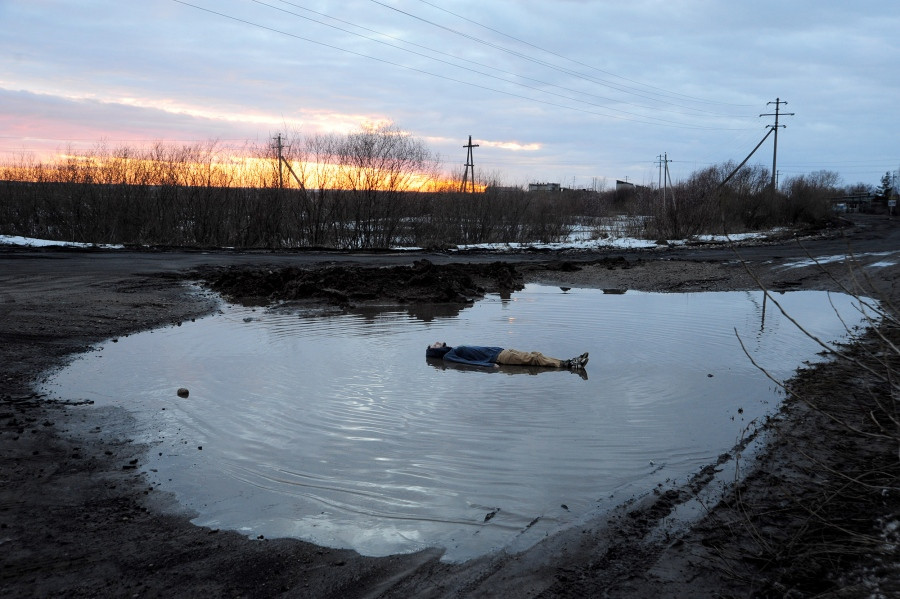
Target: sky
576 92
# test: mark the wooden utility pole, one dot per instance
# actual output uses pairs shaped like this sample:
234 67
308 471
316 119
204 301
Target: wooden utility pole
663 161
470 165
669 179
778 102
278 147
283 162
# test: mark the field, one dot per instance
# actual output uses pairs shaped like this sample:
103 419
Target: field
816 515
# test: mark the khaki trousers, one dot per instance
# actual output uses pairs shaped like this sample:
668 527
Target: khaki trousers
530 358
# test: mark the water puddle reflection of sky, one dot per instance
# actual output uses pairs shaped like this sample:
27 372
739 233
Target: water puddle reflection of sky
336 429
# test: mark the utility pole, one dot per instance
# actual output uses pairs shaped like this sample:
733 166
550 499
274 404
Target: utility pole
659 172
669 178
283 162
663 162
470 165
778 102
278 147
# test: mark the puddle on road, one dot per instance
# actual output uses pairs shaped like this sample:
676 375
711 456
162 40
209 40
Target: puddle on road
336 430
890 258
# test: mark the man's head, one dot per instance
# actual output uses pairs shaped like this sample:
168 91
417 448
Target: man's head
437 350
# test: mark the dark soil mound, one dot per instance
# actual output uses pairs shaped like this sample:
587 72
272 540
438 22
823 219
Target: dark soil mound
422 282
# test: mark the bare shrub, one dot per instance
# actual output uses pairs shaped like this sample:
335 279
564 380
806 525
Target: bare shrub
377 187
832 526
726 199
808 197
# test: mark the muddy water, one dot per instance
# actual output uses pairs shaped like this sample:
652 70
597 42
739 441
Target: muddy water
335 428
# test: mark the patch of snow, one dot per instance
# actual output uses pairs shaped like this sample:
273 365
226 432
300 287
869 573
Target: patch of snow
735 237
838 258
584 239
813 261
581 238
583 244
32 242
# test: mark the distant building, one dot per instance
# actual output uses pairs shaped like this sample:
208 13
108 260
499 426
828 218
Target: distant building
857 202
554 187
624 186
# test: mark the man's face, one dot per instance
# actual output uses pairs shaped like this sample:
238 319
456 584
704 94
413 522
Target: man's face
438 345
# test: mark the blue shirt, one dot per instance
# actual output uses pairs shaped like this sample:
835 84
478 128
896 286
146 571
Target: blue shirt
474 355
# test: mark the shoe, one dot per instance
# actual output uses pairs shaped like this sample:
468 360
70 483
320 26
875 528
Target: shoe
577 363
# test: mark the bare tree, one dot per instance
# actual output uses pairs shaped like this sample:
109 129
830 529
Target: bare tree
376 168
808 197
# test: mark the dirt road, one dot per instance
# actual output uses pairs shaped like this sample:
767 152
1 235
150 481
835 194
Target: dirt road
77 518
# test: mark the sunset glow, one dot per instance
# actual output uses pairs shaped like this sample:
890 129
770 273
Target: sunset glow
220 170
542 103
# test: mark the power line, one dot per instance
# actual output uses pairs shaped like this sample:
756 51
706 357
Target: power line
552 53
618 87
463 67
861 163
470 69
642 120
106 139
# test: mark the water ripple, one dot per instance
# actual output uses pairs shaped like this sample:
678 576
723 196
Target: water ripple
335 429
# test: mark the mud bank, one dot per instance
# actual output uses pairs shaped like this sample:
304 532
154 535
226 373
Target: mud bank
421 282
77 519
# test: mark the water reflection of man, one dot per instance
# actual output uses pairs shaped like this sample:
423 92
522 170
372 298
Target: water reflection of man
493 357
440 364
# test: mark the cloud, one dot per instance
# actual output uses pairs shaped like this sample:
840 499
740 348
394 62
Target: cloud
512 145
562 90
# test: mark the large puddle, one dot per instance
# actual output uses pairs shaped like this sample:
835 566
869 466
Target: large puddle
335 429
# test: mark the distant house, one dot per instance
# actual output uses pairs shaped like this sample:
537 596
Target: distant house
624 186
554 187
857 202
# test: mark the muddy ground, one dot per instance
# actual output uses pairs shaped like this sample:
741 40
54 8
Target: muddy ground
817 514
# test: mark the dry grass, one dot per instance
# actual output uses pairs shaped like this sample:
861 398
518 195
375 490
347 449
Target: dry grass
823 522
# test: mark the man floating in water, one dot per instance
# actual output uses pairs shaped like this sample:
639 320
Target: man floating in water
491 357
